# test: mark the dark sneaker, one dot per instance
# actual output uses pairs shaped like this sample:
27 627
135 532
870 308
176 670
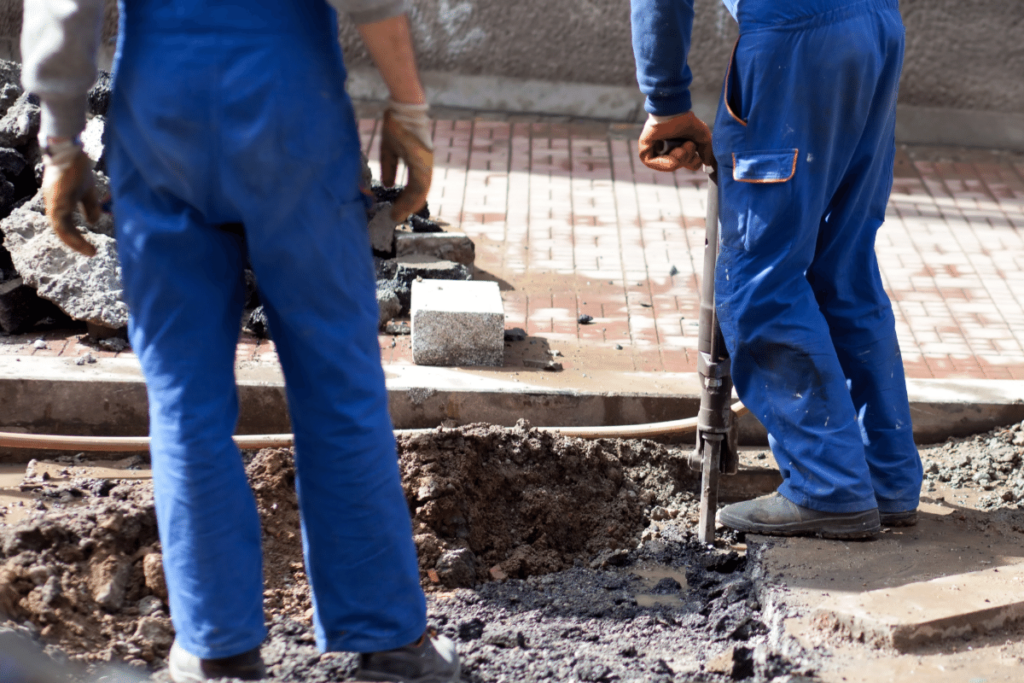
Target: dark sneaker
776 515
187 668
431 659
905 518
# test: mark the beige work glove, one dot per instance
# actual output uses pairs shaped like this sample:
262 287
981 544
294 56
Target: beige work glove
406 136
68 182
695 151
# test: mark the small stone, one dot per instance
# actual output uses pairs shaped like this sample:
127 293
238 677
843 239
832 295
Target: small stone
515 334
457 568
471 630
397 328
618 347
39 344
115 344
153 569
150 605
585 319
548 365
432 575
673 271
659 513
155 632
497 573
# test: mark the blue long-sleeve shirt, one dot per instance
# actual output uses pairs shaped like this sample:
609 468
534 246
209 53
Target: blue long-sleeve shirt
661 43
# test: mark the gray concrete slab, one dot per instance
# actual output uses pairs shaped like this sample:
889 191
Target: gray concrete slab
904 617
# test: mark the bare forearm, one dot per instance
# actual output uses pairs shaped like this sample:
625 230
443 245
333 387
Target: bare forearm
389 43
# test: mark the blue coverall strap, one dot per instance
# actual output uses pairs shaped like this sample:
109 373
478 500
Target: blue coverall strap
771 166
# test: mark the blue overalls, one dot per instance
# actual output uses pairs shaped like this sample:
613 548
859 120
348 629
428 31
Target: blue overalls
804 139
236 113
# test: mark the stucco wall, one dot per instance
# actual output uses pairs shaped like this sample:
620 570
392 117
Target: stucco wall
962 55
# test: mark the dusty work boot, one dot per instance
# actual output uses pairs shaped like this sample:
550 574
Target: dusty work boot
187 668
893 519
776 515
431 659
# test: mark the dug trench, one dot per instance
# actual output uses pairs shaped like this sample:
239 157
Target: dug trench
543 557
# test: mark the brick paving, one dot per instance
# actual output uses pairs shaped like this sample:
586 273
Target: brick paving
568 222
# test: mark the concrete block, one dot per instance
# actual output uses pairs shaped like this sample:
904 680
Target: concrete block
450 246
457 323
907 616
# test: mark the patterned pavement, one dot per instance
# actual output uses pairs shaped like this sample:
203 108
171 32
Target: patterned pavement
568 222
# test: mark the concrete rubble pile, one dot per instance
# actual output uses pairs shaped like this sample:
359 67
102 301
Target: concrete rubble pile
41 278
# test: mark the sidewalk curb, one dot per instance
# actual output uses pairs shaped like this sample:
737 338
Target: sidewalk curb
49 395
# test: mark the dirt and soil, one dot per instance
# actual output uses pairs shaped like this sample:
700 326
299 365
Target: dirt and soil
543 557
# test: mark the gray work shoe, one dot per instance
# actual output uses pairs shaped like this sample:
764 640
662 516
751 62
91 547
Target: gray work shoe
432 659
904 518
776 515
187 668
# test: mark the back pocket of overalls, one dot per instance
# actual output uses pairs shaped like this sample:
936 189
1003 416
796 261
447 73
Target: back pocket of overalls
763 198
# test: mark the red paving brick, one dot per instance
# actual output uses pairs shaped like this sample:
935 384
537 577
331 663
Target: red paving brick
569 222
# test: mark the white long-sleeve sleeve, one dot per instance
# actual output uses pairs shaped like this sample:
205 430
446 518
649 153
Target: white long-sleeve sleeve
60 39
59 42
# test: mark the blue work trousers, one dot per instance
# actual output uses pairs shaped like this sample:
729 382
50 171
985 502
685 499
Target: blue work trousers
804 139
226 115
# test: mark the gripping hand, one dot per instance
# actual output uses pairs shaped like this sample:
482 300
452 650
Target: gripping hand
68 182
695 151
406 136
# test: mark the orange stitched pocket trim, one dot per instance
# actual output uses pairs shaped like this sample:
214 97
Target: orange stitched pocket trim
728 73
792 172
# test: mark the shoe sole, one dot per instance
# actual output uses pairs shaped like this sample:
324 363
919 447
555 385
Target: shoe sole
898 519
862 526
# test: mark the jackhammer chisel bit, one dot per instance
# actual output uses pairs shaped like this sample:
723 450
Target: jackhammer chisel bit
715 452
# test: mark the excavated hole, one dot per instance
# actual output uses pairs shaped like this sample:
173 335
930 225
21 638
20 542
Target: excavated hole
539 555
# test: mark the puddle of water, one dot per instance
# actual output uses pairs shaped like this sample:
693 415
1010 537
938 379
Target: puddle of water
650 576
19 504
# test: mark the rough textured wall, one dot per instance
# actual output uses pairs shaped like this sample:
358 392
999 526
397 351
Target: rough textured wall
963 55
582 41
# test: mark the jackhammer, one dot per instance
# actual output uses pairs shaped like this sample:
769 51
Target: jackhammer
715 452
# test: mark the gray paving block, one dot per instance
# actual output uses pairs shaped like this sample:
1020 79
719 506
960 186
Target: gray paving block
457 323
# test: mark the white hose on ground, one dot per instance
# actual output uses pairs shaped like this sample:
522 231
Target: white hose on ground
131 444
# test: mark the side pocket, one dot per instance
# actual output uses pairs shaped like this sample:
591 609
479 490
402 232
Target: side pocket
757 210
732 93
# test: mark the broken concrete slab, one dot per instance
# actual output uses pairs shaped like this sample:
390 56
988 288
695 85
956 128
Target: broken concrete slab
387 303
21 122
450 246
429 267
87 289
917 613
457 323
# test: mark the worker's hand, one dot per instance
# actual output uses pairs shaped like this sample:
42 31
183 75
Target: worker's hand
695 151
406 136
68 182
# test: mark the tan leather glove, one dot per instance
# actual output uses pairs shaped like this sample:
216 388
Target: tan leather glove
406 136
695 151
68 182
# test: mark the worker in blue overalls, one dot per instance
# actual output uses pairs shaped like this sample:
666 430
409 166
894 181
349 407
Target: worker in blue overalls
804 147
226 113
